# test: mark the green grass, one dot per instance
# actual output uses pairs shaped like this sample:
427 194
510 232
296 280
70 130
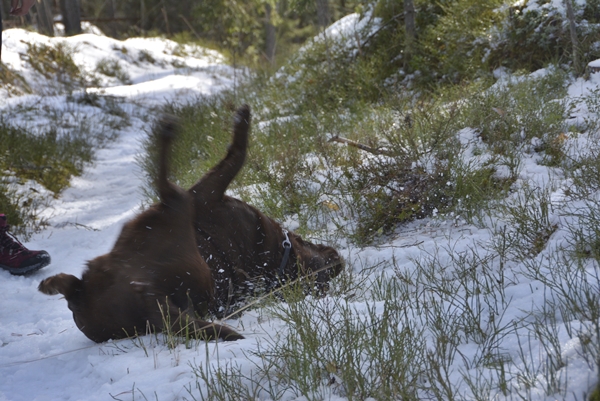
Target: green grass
436 330
47 158
12 81
38 162
205 133
446 143
112 68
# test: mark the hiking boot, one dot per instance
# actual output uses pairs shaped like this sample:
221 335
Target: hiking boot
14 257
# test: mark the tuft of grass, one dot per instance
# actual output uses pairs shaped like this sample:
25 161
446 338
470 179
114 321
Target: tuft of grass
12 81
56 62
584 239
112 68
145 56
39 162
205 132
519 110
328 348
21 209
595 395
530 214
582 163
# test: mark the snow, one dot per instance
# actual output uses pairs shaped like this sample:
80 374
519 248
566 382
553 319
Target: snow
43 356
346 28
348 34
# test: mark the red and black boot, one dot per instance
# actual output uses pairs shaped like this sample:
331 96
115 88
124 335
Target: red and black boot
14 257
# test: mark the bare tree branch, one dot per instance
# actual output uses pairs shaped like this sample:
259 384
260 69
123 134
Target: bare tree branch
360 146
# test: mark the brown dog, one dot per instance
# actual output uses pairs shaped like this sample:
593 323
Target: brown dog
245 249
153 276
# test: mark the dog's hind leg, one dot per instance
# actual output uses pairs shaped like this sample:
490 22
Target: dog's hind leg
185 323
212 186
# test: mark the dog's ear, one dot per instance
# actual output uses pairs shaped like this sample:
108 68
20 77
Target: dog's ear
65 284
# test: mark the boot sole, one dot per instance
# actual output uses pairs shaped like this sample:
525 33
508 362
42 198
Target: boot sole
22 271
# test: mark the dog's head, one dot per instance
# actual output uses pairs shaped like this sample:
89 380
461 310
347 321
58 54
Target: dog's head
319 261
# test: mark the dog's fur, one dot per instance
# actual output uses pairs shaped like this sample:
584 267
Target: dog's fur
196 251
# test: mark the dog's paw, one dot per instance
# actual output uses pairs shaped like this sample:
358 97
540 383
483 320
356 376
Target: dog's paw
65 284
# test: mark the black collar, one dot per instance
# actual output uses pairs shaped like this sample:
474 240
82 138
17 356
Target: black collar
287 246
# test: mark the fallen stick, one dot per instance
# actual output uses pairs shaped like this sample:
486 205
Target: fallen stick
349 142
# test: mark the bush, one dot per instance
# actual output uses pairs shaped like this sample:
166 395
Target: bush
56 63
535 33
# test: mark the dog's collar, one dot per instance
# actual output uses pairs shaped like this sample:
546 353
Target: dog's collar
287 246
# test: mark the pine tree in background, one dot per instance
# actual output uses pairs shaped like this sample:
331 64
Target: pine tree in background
71 16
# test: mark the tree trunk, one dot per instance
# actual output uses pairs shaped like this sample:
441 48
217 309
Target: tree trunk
574 40
323 21
71 16
44 18
166 17
409 30
142 17
323 13
112 11
269 35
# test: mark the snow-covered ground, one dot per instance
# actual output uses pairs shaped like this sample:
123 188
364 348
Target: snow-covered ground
43 356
